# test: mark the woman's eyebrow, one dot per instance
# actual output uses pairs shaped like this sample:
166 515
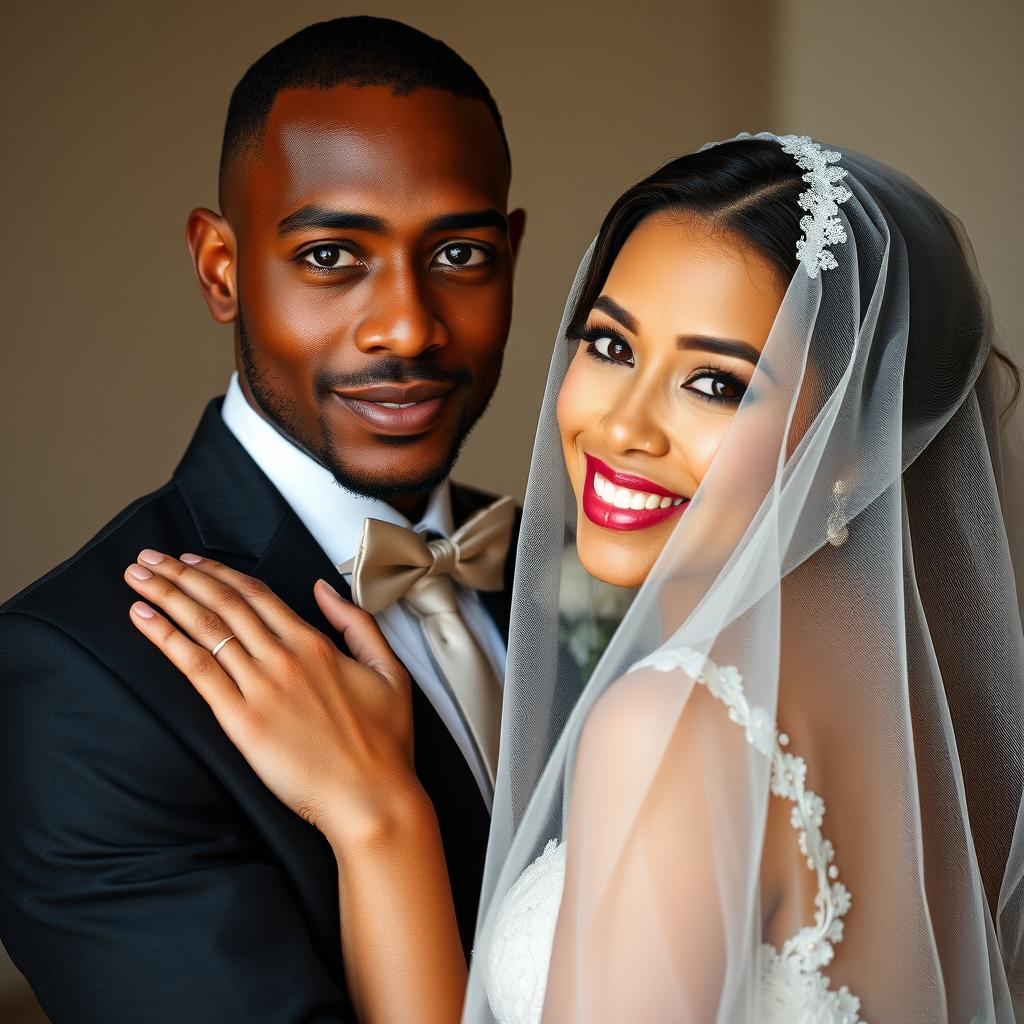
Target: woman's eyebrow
616 312
725 347
704 342
720 346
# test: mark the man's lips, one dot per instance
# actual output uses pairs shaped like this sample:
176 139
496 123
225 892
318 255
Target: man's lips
397 394
398 409
624 501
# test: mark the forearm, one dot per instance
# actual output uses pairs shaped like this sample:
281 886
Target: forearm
400 941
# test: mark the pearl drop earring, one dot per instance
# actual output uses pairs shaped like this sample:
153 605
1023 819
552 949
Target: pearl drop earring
838 528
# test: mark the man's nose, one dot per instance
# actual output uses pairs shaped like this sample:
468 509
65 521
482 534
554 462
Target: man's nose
633 423
400 320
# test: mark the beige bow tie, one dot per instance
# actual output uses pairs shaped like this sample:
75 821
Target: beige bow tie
392 559
394 563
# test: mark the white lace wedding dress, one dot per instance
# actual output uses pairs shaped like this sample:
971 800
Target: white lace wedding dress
793 988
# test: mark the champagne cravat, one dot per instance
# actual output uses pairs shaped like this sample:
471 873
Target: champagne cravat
394 563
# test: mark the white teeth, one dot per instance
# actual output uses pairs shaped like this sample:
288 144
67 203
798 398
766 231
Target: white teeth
622 497
397 405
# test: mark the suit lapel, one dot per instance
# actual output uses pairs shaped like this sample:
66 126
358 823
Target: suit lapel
290 566
235 508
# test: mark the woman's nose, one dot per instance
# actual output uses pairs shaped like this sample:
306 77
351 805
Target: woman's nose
400 321
633 423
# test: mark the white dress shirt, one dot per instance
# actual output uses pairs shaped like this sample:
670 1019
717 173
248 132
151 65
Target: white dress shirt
335 517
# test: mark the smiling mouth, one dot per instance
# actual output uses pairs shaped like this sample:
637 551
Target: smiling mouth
623 497
398 409
624 501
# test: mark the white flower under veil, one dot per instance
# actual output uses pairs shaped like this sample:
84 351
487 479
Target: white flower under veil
873 689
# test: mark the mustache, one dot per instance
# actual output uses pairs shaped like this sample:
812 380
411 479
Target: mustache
391 370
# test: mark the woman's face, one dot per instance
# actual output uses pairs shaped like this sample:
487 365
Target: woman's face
668 352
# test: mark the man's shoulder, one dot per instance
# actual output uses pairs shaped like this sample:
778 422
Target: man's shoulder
212 485
94 571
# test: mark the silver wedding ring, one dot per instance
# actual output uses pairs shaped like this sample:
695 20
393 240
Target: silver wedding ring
221 644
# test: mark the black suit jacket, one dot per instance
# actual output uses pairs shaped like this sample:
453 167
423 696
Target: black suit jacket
146 874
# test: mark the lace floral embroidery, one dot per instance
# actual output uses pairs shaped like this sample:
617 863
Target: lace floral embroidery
821 224
795 968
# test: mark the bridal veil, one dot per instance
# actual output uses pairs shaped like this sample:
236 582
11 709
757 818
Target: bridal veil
847 564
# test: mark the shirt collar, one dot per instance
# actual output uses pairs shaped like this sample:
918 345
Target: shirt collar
333 515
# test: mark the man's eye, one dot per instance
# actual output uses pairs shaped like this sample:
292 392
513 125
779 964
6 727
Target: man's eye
459 255
613 349
329 257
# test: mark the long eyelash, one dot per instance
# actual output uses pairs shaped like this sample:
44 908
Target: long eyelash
718 373
592 334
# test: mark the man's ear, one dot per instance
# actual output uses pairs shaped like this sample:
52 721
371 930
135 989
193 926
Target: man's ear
214 250
516 227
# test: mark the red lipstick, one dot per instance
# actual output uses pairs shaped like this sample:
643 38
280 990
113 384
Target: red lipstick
606 489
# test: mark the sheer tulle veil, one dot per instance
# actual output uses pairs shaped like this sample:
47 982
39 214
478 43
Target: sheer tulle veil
893 660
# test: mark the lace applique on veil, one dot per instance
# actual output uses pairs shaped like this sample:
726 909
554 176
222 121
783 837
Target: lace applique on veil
793 989
791 977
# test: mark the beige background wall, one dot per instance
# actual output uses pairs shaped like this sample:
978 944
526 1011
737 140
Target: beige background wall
112 114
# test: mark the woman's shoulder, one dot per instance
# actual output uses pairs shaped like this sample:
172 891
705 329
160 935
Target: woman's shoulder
662 698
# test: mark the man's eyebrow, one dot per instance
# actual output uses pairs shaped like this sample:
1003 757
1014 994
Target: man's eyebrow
616 312
329 220
473 219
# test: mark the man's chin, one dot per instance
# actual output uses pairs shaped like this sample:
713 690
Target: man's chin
388 482
391 468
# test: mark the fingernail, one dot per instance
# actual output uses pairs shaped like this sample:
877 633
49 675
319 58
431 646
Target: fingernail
150 556
139 572
191 559
329 587
142 610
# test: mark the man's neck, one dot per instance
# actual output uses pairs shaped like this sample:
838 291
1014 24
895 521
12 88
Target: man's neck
412 506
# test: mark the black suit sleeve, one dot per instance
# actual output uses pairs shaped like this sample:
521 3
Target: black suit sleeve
130 888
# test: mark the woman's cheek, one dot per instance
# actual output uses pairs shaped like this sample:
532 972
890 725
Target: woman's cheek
575 401
700 440
569 395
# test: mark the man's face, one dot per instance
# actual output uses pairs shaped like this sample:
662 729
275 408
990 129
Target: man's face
374 278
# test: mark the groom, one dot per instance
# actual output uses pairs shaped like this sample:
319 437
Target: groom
364 253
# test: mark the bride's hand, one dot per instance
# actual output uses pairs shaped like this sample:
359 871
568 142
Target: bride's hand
329 735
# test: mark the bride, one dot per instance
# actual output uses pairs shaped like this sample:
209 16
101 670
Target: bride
790 788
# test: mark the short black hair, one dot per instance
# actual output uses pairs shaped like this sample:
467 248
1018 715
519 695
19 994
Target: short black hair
358 51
